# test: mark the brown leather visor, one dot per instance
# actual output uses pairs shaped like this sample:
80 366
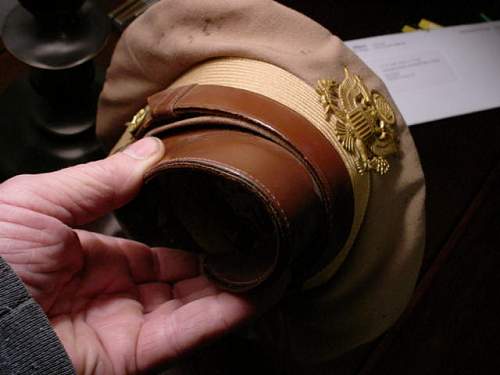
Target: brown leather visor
246 182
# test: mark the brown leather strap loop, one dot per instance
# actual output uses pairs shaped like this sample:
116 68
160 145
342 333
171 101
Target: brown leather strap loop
285 124
215 185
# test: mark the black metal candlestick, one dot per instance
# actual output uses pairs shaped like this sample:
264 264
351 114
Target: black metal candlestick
47 119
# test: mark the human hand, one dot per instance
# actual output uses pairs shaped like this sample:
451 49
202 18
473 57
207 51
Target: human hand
117 306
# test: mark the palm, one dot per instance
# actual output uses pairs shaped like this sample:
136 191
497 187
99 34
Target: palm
118 306
112 301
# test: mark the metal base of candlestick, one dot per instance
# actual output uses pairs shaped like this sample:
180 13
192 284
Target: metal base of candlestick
56 45
34 140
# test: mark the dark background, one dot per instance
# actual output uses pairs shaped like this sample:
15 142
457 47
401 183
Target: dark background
452 324
359 19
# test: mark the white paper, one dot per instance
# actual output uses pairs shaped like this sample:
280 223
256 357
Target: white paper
439 73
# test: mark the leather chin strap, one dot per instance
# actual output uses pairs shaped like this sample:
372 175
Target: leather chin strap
179 112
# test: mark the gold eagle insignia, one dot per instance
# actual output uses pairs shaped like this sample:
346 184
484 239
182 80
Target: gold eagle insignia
364 121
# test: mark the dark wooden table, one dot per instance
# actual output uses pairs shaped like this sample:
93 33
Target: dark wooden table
451 325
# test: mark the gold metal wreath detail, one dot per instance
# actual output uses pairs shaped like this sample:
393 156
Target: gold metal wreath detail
139 120
364 121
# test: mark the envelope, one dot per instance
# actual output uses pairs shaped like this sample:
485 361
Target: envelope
438 73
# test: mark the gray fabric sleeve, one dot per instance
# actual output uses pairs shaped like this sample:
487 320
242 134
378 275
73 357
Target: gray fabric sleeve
28 345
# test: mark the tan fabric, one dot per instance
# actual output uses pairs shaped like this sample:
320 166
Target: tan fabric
376 280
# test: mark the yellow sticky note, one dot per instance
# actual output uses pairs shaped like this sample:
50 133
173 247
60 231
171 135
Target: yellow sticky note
408 29
428 25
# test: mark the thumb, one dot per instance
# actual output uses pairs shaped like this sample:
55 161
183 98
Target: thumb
80 194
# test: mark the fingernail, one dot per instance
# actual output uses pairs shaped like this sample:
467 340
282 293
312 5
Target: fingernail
144 148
